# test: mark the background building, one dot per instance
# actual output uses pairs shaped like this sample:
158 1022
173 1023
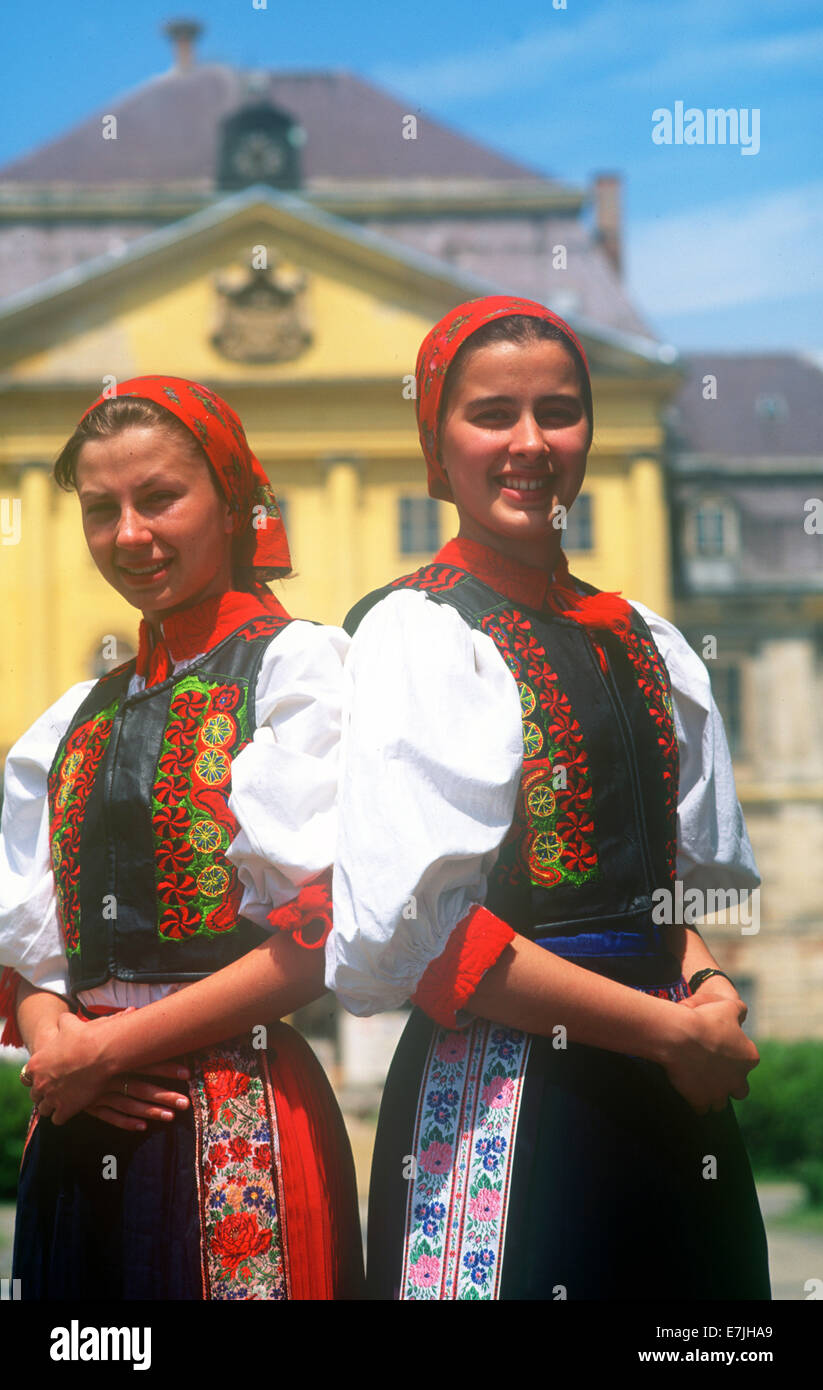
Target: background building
288 238
745 473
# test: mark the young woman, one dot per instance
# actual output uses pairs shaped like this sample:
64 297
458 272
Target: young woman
528 766
145 914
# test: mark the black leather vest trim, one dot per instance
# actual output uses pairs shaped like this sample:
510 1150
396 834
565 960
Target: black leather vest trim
138 798
580 863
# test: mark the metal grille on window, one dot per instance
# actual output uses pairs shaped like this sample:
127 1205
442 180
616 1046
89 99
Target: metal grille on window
726 691
419 525
579 530
711 531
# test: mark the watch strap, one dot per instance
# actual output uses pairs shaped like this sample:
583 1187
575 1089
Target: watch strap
700 976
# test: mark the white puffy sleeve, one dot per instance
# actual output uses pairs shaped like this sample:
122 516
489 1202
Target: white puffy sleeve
30 937
284 783
431 758
713 847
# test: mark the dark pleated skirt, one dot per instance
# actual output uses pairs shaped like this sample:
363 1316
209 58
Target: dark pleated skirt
509 1167
107 1214
248 1194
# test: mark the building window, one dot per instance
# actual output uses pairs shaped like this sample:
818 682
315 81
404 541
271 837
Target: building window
419 525
711 530
579 532
726 691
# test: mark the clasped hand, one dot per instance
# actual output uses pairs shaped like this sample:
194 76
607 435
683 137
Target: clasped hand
70 1071
713 1061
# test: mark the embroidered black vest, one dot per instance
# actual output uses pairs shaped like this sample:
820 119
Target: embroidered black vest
595 827
139 819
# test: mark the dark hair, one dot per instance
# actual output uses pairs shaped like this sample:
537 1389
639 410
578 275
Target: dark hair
111 418
516 328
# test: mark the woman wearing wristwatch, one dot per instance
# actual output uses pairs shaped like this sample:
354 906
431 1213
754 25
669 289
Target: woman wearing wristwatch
527 763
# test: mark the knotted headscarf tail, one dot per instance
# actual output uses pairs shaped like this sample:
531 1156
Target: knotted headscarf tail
260 536
437 352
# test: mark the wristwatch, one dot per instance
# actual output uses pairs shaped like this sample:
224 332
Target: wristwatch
700 976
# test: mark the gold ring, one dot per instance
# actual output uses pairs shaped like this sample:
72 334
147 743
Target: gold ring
24 1075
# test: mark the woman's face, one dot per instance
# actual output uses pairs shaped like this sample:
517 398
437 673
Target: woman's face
514 442
155 525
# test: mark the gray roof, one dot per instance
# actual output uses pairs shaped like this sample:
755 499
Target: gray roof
768 405
167 133
33 252
614 350
515 251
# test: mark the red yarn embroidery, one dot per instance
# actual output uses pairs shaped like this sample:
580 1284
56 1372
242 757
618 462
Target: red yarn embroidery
551 838
311 908
655 687
69 786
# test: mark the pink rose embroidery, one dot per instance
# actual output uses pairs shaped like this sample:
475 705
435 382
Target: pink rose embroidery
499 1093
486 1205
452 1048
425 1271
437 1158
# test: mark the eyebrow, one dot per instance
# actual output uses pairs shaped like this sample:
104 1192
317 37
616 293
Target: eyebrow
90 494
563 397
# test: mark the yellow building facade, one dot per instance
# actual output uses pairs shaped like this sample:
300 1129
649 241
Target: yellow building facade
333 426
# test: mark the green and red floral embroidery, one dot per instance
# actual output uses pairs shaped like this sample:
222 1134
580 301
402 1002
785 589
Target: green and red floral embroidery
242 1238
551 838
198 890
69 786
655 687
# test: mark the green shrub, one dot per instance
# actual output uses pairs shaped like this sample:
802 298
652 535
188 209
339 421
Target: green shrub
782 1118
15 1109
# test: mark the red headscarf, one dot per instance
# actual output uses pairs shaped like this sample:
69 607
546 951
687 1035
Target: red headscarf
260 536
437 352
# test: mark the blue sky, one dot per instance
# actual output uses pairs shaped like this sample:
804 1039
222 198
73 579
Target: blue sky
724 250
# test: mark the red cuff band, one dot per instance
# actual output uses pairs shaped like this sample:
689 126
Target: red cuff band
473 947
312 907
9 980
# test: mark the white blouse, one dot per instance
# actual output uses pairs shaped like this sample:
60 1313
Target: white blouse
431 759
283 797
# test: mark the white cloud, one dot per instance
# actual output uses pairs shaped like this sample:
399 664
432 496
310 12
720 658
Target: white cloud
506 67
729 253
729 59
572 52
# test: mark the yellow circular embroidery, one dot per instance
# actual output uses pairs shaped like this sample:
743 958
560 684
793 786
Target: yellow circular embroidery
527 697
532 739
544 849
205 836
213 767
63 794
71 765
56 854
216 730
540 800
213 881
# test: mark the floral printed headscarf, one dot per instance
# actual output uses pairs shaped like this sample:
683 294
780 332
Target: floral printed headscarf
260 536
437 353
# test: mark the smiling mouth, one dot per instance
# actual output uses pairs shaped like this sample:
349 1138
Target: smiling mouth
143 571
521 482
